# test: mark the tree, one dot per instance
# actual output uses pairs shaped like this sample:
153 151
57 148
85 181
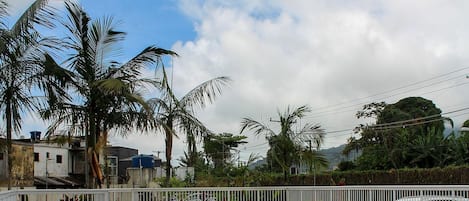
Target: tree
218 148
401 135
316 160
172 114
105 92
286 144
23 67
466 124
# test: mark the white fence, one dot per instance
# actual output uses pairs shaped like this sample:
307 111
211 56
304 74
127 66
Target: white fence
290 193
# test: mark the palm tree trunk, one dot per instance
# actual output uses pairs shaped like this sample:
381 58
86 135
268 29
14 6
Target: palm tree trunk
169 148
9 148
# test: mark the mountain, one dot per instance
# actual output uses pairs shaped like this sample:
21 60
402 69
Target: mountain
333 155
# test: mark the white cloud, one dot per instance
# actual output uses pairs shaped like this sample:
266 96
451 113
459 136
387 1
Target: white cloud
321 53
17 7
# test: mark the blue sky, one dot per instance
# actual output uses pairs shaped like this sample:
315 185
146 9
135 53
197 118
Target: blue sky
332 55
146 22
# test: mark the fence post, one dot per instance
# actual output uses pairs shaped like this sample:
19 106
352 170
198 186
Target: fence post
370 198
134 195
257 195
106 195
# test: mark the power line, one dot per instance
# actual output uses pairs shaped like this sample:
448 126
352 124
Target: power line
335 108
338 110
396 89
400 124
416 119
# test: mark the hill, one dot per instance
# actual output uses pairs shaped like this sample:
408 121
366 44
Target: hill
333 155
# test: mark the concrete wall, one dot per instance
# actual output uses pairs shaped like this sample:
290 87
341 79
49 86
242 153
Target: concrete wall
143 177
54 168
22 166
183 173
3 165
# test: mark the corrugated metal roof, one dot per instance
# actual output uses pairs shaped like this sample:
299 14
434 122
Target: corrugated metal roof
62 182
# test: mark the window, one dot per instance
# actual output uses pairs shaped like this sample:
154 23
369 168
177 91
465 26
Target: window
36 156
1 156
58 158
112 165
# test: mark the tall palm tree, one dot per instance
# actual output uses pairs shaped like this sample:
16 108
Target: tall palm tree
104 93
173 115
23 67
285 144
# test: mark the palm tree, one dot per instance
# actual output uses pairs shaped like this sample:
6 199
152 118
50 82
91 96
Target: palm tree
172 114
105 93
23 67
287 142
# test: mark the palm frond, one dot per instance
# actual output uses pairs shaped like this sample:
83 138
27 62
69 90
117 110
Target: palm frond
257 127
298 113
158 105
3 14
37 13
207 91
312 132
186 122
166 91
148 56
103 38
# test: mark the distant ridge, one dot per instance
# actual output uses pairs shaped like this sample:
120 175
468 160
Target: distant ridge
333 155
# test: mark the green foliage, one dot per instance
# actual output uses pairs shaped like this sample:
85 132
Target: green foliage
198 162
171 114
408 133
285 145
174 182
315 160
346 165
466 124
218 149
409 176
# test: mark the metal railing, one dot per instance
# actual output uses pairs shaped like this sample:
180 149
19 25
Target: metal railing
286 193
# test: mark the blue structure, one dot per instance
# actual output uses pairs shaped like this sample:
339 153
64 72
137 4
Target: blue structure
35 135
144 161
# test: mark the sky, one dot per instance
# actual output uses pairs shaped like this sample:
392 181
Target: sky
332 55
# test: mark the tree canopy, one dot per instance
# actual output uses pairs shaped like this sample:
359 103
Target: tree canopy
286 145
408 133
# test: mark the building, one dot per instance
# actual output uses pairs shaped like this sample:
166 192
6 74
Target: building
22 169
59 161
118 162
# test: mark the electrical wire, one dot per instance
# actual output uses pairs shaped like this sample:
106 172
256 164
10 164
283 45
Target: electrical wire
335 109
399 88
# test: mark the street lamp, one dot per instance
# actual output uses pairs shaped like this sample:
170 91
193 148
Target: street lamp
47 171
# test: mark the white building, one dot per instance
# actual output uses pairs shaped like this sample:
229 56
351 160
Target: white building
52 159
